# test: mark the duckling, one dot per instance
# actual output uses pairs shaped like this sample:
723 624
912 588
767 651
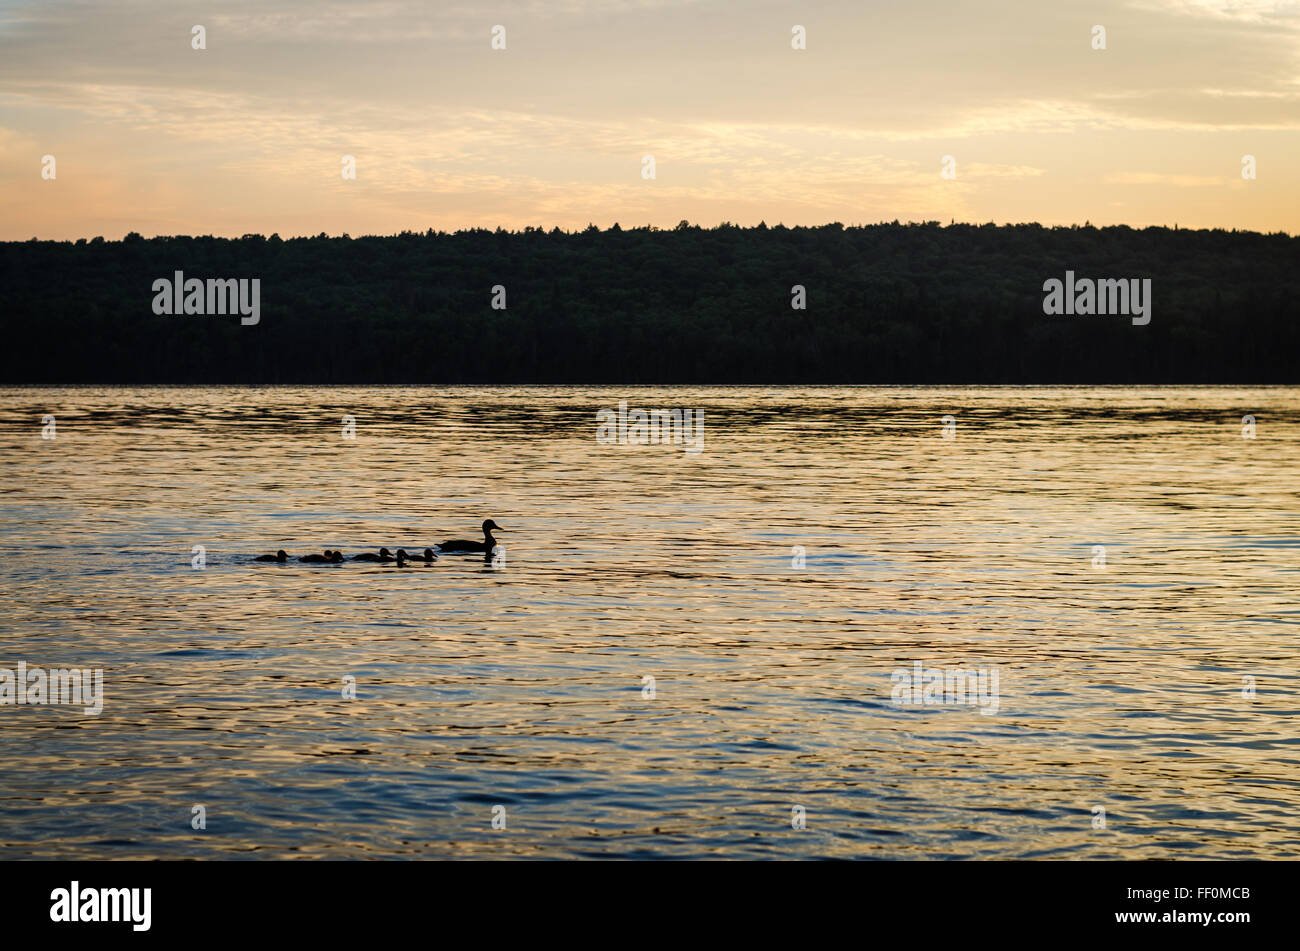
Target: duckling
384 555
320 559
279 556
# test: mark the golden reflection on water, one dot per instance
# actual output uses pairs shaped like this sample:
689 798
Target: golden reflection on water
1120 687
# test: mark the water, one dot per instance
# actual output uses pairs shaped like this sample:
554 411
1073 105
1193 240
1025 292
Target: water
522 686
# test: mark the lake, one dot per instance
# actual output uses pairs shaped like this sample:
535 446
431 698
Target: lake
678 653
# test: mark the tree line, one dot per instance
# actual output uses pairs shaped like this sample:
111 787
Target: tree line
887 303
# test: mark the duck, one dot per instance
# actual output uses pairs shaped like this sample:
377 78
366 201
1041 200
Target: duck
402 558
329 558
384 555
429 556
280 556
460 545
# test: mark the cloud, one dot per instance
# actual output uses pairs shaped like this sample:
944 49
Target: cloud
1274 13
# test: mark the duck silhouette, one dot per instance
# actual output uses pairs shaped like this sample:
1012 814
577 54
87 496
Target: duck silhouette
279 556
460 545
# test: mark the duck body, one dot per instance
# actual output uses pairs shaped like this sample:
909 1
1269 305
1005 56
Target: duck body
328 558
279 556
384 555
462 546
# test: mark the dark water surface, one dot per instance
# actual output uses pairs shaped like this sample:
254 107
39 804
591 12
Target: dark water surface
521 685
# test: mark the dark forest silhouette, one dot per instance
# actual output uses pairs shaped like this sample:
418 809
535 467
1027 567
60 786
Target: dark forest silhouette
886 303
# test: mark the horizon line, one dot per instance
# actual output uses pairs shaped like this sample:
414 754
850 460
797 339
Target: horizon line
683 225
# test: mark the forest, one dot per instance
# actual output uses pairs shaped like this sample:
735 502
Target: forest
887 303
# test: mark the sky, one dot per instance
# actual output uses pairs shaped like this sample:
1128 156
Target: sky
248 135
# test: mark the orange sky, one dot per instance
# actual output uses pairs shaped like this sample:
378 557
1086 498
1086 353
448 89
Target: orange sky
248 135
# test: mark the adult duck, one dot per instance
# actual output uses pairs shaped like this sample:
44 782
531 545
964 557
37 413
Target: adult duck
460 545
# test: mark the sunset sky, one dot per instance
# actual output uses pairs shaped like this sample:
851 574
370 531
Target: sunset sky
247 135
